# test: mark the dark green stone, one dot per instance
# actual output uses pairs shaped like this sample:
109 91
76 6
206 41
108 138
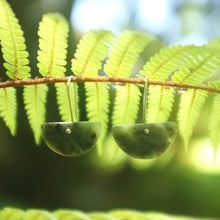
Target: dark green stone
71 139
145 140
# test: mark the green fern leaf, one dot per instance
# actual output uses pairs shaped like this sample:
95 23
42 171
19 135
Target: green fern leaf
190 106
126 104
160 67
63 101
12 214
34 100
97 106
100 216
214 84
91 50
8 108
166 62
39 214
125 52
129 214
214 123
53 33
160 103
202 63
215 42
13 44
70 214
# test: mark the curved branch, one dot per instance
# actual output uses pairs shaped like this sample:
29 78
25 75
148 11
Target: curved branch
119 80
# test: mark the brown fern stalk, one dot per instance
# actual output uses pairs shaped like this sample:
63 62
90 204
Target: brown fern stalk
119 80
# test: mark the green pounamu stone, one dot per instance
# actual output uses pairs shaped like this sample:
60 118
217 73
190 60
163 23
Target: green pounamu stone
71 139
145 140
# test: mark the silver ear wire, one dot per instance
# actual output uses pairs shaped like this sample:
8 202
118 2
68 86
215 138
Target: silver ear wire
145 100
68 89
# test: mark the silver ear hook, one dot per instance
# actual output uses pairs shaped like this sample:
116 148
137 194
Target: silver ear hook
68 89
145 100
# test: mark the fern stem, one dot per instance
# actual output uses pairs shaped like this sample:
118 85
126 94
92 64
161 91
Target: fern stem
121 80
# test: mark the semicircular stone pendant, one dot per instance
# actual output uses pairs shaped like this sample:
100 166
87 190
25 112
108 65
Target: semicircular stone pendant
71 139
145 140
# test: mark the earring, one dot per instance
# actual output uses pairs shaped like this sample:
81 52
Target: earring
71 138
144 140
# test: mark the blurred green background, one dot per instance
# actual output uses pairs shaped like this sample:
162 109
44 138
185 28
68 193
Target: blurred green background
178 182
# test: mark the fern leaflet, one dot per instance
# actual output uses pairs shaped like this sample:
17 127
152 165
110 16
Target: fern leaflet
13 44
91 50
214 123
125 52
160 67
70 214
129 214
126 104
160 103
8 108
190 106
202 63
167 61
53 33
97 106
63 101
12 213
34 100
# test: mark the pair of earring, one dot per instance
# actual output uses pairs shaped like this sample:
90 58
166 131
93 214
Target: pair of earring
139 140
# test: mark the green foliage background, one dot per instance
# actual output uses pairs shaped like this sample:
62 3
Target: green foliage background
35 177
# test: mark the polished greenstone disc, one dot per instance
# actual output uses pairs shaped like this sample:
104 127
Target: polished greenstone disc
71 139
145 140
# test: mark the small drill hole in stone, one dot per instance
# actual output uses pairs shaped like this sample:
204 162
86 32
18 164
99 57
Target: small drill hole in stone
146 131
68 131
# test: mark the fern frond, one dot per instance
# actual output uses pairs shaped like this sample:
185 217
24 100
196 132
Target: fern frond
34 100
8 108
160 103
190 106
63 101
71 214
202 63
91 51
214 123
97 106
126 104
53 33
13 44
125 52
